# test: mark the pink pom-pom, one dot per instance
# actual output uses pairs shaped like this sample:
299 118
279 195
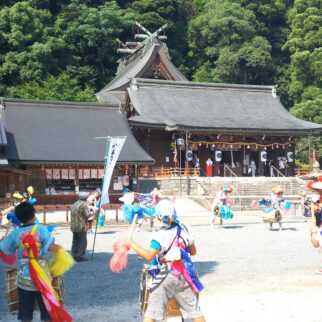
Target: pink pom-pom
10 260
254 204
119 259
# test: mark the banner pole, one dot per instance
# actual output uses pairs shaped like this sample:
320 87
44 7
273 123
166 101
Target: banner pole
99 203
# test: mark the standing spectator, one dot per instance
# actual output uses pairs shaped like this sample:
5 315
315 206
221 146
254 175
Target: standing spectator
195 161
209 164
78 226
286 167
93 202
253 168
281 165
271 168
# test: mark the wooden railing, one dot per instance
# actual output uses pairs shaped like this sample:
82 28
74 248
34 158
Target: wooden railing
166 172
302 172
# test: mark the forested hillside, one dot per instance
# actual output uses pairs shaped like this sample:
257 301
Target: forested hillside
66 50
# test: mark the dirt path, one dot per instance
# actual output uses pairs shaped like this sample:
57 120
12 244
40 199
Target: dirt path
250 273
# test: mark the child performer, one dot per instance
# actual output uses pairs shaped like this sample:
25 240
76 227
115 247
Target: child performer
316 230
173 272
33 243
219 200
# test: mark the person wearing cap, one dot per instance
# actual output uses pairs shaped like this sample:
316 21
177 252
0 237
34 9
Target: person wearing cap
93 201
78 225
170 250
219 200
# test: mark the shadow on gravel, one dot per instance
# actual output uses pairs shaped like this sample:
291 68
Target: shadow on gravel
92 283
232 227
205 268
107 232
291 229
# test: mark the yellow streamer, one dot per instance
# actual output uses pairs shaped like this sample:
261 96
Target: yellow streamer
61 263
38 268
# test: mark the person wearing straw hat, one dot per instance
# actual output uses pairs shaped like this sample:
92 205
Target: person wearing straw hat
316 228
276 201
172 271
316 208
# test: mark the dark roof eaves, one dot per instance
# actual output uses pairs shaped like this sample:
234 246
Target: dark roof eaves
207 129
187 84
78 162
48 103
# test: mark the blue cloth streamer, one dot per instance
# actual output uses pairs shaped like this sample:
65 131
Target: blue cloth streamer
11 216
100 220
191 269
51 227
286 205
225 212
129 211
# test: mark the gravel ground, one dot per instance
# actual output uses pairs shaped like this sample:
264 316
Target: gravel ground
250 273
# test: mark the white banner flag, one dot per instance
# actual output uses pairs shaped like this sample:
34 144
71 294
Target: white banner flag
115 147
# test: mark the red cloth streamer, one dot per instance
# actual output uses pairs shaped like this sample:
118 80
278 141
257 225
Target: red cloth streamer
53 305
309 184
119 259
254 204
10 260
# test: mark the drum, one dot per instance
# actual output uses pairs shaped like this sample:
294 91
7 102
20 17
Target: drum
272 216
173 309
4 230
12 292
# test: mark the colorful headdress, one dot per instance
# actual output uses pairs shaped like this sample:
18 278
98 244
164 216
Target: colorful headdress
31 190
128 198
166 212
317 185
227 188
277 189
17 195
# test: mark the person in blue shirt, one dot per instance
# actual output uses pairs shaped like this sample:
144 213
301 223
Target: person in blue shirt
27 291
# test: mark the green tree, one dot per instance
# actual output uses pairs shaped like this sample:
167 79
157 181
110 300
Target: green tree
90 33
305 45
25 52
227 46
273 25
61 88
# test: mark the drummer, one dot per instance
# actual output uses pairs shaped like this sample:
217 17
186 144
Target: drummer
27 291
219 200
170 250
316 230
